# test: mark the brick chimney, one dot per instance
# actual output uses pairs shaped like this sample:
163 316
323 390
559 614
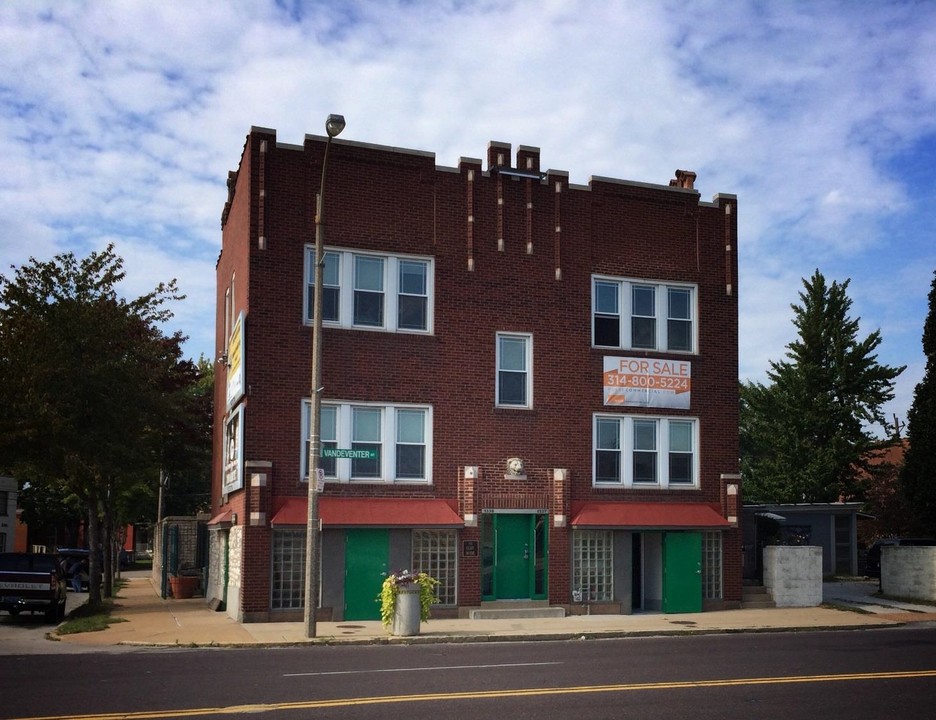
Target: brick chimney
684 179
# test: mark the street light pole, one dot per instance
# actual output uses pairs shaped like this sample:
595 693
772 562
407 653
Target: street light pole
333 126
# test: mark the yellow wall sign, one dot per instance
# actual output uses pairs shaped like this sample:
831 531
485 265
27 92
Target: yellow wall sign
645 382
235 359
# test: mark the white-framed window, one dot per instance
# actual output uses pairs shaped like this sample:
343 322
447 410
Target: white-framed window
592 565
640 315
645 451
373 291
389 443
514 381
436 552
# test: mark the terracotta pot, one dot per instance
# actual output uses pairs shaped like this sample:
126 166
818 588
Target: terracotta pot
183 586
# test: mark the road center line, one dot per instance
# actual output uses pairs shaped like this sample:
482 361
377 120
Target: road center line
485 694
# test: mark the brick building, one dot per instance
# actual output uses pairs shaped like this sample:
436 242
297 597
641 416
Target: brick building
543 377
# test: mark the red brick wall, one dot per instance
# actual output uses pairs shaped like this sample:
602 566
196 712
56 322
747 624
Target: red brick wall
398 202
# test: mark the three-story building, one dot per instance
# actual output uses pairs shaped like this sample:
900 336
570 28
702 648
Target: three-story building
529 387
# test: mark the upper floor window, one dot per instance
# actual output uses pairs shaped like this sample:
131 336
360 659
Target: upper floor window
630 314
514 383
368 290
388 443
645 451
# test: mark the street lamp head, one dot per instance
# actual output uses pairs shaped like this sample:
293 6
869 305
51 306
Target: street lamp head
334 125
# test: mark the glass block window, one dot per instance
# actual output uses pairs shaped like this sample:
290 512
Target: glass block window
288 582
435 553
712 566
592 565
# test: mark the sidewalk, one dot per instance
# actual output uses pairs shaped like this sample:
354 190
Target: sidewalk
150 620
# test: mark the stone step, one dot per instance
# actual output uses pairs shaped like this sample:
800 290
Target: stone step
514 613
756 596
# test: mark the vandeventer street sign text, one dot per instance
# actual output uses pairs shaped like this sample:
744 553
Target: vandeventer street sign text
354 454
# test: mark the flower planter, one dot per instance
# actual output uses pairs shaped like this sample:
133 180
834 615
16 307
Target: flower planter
183 586
407 611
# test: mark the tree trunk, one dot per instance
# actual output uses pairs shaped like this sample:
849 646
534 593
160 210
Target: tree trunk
94 543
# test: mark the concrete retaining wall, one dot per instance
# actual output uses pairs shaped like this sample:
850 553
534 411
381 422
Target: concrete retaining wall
909 571
794 575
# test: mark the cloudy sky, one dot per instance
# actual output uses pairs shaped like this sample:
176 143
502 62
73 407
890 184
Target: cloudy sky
120 120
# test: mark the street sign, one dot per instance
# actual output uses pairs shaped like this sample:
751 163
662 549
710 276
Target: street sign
347 453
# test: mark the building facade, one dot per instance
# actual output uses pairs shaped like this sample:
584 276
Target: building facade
529 387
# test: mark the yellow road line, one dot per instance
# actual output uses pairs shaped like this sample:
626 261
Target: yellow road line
487 694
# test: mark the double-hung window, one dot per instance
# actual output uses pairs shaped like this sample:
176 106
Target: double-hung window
372 291
645 451
371 442
640 315
514 370
413 297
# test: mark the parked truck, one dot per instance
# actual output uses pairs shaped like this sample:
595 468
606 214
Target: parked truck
32 582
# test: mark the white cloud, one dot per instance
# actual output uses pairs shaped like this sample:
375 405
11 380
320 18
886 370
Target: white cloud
121 120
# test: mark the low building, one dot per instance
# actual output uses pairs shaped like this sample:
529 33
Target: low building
830 526
529 387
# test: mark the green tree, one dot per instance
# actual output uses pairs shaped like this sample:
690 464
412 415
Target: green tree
82 372
918 476
805 434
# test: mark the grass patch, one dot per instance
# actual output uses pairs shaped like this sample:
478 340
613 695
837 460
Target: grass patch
91 618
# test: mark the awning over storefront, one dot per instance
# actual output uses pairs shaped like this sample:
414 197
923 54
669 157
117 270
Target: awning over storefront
370 512
222 519
649 516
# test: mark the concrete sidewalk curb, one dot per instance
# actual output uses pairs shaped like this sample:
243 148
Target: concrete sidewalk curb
152 621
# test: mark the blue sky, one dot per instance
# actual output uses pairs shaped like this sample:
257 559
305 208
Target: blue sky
120 120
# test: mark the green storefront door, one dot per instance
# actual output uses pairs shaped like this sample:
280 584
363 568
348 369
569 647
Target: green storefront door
513 547
682 572
366 556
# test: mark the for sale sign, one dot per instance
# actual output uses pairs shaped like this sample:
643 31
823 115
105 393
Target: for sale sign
644 382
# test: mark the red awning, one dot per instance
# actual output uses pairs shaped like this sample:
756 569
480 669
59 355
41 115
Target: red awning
370 512
647 515
222 518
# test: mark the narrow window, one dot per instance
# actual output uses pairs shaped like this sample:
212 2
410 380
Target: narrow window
712 566
368 291
607 322
287 587
435 553
365 435
607 450
643 316
513 370
411 444
329 439
413 300
592 565
645 451
680 452
679 319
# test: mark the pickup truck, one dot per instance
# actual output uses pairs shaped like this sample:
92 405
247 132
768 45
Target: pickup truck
32 582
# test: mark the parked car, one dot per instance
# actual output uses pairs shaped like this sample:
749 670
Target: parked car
873 565
32 582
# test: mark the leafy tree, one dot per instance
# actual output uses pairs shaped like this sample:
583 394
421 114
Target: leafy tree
918 477
805 434
82 373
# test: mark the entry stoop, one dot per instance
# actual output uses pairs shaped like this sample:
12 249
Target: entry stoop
756 596
515 610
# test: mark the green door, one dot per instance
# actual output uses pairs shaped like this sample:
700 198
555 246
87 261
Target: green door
513 550
682 572
366 556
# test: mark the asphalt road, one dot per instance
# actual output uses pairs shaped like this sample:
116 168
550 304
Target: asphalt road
831 675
